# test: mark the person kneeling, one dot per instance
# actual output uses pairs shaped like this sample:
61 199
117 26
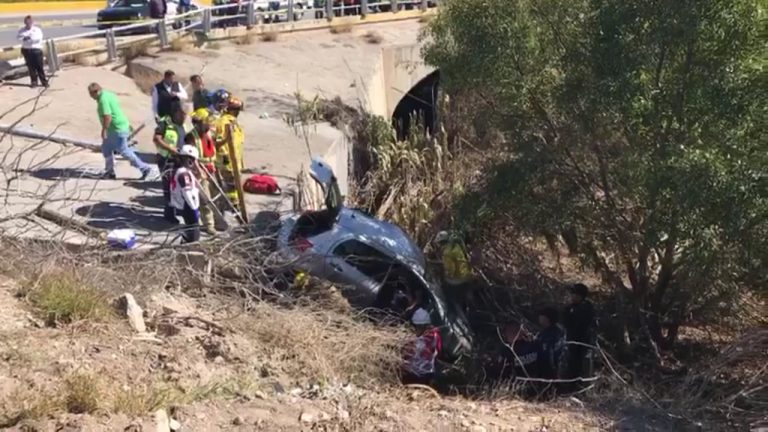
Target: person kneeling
185 193
421 352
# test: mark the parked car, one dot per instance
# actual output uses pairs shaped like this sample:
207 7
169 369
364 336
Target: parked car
373 262
124 12
281 5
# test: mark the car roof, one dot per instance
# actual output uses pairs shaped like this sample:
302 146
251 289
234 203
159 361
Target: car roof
381 234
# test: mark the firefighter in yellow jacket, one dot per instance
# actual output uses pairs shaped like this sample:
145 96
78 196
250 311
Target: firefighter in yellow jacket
225 160
200 137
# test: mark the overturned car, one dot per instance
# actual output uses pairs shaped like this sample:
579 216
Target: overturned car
373 262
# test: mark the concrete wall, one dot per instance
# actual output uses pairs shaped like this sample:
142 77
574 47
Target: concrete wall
400 69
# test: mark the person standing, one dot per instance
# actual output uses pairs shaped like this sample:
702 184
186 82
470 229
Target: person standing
166 94
200 137
224 125
579 322
185 193
201 97
168 138
549 344
115 132
31 37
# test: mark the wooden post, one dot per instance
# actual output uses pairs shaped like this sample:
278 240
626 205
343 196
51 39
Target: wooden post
236 171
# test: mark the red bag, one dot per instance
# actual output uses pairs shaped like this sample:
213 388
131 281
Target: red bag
263 184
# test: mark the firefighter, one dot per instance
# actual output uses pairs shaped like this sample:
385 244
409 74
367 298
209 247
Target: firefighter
224 159
168 138
200 137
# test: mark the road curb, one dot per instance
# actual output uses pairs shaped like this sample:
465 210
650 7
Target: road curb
54 6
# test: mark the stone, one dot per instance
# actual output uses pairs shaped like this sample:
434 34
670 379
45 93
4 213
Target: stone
134 313
442 413
306 417
343 415
477 428
260 394
174 424
162 423
238 421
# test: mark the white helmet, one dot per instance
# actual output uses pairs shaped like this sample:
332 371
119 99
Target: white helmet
421 317
441 237
190 151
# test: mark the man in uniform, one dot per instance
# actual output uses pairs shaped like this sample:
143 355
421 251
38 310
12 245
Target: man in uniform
200 137
225 161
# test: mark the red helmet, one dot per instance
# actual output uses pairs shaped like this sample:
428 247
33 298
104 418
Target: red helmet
235 104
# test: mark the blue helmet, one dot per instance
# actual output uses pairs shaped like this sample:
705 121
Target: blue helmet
220 96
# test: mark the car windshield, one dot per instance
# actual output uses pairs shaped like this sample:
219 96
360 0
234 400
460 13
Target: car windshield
129 4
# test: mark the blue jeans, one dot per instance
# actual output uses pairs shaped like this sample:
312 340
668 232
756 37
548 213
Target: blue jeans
118 142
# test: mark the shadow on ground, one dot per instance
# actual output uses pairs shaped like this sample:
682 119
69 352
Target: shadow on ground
111 215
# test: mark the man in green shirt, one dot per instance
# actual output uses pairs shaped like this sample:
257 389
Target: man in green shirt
115 132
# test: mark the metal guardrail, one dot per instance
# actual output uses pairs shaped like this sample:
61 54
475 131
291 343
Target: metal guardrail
248 14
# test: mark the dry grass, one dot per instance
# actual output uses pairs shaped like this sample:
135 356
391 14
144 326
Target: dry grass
247 39
82 393
425 18
28 404
139 400
134 51
269 36
63 298
181 44
373 38
341 28
327 346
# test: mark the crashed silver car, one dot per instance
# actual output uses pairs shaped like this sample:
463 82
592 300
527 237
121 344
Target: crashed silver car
373 262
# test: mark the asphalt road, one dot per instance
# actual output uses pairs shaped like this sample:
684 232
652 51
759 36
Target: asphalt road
55 25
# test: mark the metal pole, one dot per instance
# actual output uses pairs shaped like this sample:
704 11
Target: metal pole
250 16
363 8
424 5
53 63
206 21
162 32
329 10
111 47
393 6
290 11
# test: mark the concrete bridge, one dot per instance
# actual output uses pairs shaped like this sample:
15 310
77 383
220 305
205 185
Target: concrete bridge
370 67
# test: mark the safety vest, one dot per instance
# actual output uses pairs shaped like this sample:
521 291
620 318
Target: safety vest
170 136
238 138
455 264
206 147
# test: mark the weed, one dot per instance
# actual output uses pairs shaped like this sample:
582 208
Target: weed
269 36
180 44
341 28
134 51
425 19
63 298
81 394
373 38
247 39
28 404
135 402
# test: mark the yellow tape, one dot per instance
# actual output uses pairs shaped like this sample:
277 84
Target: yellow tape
53 6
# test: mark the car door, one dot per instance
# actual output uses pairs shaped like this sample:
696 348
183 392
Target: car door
360 269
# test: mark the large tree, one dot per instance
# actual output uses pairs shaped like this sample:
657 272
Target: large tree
637 127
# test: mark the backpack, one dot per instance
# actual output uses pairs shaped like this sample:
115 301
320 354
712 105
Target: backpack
263 184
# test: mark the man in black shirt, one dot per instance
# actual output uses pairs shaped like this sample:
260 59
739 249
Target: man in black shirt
549 344
167 94
579 322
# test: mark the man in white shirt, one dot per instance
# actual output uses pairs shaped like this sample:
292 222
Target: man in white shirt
31 38
166 95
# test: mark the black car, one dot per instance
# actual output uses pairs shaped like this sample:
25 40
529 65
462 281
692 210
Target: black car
125 12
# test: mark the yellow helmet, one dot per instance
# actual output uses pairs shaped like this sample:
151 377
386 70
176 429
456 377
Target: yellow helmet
200 115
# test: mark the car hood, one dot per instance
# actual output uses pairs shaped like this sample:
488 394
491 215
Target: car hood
387 235
122 11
